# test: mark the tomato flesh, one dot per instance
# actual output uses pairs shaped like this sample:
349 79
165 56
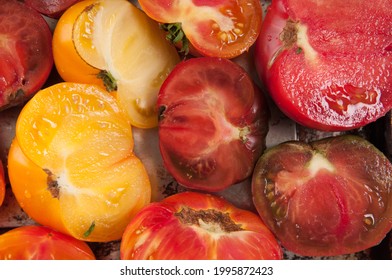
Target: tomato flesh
42 243
329 197
213 122
197 226
326 65
214 28
25 52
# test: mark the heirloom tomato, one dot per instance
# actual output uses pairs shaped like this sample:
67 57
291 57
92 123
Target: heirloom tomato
192 225
223 28
70 66
129 48
2 183
50 8
42 243
72 159
212 124
327 64
25 52
329 197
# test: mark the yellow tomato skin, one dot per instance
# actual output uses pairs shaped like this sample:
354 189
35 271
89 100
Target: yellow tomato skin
29 181
70 66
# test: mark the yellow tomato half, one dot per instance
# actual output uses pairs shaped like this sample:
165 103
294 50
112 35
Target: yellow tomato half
122 41
71 165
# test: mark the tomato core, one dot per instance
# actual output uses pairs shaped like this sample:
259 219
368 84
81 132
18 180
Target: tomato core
210 219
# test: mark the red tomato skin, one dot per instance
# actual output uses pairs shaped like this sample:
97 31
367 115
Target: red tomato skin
157 233
42 243
26 52
343 86
50 8
202 102
329 213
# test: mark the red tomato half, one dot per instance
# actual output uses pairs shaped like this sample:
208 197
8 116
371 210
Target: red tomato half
328 64
212 124
42 243
224 28
329 197
25 52
50 8
197 226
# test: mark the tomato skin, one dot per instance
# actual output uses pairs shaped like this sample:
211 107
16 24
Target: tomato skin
160 231
214 28
70 66
24 173
313 72
212 125
42 243
50 8
329 197
2 183
25 52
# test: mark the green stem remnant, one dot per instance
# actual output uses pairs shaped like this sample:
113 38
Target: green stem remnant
176 35
90 230
108 80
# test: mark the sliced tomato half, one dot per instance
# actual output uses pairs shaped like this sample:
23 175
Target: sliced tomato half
223 28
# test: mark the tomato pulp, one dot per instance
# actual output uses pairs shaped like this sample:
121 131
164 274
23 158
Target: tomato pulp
329 197
25 52
328 64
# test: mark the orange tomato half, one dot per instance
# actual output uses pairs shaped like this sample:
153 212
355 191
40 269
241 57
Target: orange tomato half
42 243
70 66
71 165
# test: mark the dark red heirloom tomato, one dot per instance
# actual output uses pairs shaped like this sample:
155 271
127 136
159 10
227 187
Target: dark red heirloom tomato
327 64
50 8
329 197
25 52
212 123
224 28
193 226
42 243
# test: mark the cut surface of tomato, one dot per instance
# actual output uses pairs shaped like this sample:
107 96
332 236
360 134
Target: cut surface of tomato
192 226
329 197
326 65
214 28
212 124
75 143
26 58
